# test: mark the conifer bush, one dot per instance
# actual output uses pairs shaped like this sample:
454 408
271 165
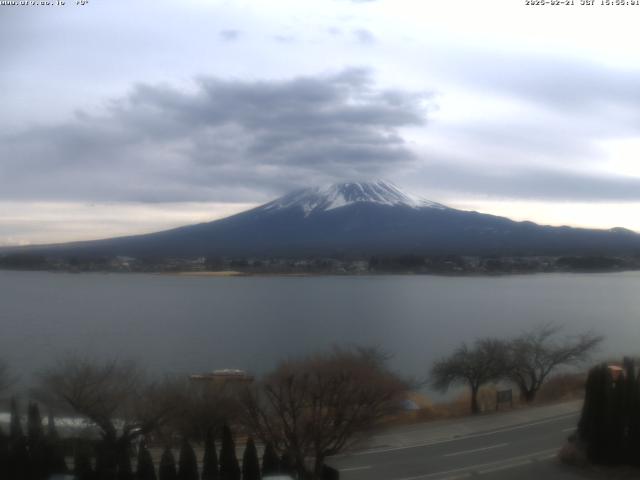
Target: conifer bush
4 452
609 426
145 469
187 463
54 452
270 461
125 471
18 452
210 458
167 470
229 467
287 466
250 463
82 469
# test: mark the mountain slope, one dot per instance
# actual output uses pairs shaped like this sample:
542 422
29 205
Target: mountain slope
357 219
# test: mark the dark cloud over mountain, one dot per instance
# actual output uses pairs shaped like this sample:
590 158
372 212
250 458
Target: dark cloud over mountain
162 143
225 140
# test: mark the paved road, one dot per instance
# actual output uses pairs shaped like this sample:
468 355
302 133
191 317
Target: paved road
523 451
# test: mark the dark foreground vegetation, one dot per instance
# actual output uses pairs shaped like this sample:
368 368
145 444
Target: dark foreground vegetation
301 413
609 429
39 455
127 426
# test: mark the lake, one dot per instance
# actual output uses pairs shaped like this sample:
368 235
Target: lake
182 324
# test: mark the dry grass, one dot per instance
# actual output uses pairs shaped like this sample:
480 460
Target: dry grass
562 387
559 388
456 408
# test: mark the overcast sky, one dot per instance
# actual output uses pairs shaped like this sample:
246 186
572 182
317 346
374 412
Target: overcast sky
128 116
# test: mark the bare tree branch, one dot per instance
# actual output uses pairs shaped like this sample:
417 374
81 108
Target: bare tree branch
538 352
197 406
317 406
112 395
472 366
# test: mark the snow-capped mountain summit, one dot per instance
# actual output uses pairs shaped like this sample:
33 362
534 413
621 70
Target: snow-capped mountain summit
338 195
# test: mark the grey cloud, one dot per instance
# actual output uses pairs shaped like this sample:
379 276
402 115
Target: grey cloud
229 35
364 36
284 38
560 111
532 183
216 141
529 141
568 84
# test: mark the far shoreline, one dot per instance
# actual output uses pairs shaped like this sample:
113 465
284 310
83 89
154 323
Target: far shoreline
235 273
207 273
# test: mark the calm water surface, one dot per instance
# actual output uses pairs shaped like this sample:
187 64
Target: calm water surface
192 324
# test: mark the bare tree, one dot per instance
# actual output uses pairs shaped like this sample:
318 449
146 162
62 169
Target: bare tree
316 407
472 366
111 395
536 353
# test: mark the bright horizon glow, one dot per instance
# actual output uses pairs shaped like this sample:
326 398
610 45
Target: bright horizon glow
65 222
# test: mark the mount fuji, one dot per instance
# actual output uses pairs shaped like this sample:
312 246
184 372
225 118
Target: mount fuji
357 219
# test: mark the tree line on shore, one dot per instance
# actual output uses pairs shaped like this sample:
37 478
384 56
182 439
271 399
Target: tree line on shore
415 263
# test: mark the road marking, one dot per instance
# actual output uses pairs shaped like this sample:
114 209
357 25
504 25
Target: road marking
353 469
506 463
458 477
508 466
569 429
464 452
374 451
518 463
